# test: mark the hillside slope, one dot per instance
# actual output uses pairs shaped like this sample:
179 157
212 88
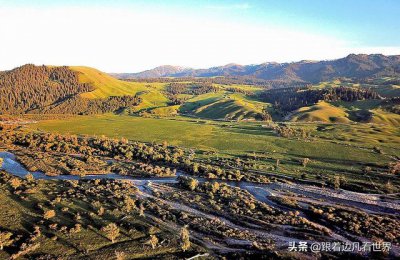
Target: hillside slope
329 113
223 106
105 85
321 112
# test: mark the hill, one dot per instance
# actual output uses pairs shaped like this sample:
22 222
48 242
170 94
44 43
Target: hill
103 84
321 112
84 90
353 66
223 106
73 90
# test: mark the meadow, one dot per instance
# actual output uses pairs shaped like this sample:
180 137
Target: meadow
344 149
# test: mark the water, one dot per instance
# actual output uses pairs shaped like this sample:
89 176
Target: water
13 167
10 165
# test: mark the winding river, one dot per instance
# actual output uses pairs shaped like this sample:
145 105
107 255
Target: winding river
262 192
12 166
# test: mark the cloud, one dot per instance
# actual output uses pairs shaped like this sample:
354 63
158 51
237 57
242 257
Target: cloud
242 6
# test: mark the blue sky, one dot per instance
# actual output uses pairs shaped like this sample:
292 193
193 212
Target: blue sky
193 33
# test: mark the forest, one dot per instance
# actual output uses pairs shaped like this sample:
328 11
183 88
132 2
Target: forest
289 99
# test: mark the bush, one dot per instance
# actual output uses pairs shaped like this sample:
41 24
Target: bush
111 231
5 239
49 214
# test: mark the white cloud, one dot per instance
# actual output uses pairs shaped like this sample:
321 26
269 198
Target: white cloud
116 40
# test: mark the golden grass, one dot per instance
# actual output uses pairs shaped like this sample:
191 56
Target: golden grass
321 112
106 86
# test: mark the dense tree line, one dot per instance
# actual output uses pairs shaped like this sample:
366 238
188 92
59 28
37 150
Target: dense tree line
176 88
191 88
83 106
175 100
239 90
392 105
289 99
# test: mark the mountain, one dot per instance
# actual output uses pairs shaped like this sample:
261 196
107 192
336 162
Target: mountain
158 72
352 66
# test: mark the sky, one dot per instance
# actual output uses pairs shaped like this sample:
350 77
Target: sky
131 36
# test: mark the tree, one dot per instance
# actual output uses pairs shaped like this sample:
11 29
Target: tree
305 161
192 183
153 241
29 177
185 242
277 163
112 231
389 188
141 210
15 183
265 116
214 187
195 167
367 170
5 239
394 167
120 255
129 204
336 182
49 214
100 211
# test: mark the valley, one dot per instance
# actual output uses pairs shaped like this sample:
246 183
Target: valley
234 166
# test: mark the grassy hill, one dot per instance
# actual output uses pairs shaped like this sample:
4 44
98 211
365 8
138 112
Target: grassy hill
50 89
321 112
235 106
222 105
365 111
382 117
105 85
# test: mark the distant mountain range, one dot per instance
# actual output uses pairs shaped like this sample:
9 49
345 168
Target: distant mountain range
352 66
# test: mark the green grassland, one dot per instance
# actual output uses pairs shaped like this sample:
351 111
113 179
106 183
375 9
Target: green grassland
321 112
229 105
365 111
208 134
333 148
106 86
224 122
223 105
226 105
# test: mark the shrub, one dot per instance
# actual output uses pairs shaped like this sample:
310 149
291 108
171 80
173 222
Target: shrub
185 242
5 239
111 231
15 183
29 177
49 214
